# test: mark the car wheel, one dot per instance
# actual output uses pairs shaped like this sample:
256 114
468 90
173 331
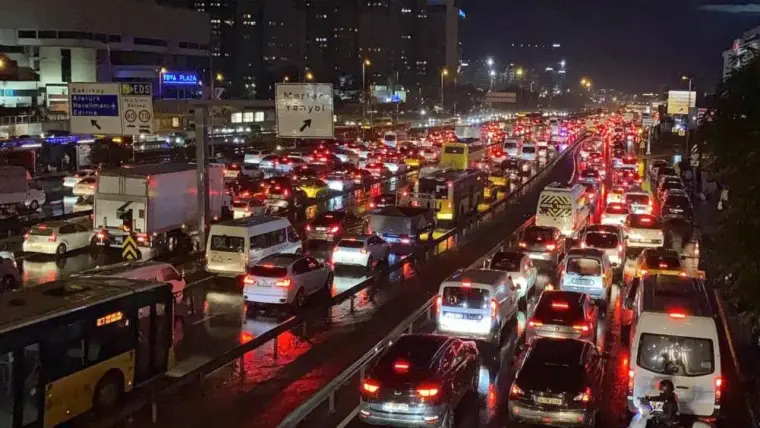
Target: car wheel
34 205
300 300
61 250
7 284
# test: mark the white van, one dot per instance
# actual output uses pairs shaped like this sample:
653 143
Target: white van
236 244
512 147
146 270
674 336
477 303
528 152
563 207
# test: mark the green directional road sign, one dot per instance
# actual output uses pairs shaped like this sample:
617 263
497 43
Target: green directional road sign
129 248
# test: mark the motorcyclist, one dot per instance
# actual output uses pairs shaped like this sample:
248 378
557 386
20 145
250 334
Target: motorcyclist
670 402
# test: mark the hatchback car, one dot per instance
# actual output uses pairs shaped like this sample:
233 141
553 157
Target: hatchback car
284 279
419 381
586 270
542 243
361 250
57 237
559 384
615 213
563 315
639 202
610 242
333 225
677 207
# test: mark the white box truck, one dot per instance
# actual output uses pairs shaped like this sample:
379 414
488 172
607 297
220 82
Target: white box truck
157 203
15 189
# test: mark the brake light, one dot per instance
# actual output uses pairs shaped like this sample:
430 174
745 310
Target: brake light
52 238
644 272
522 244
620 248
26 236
335 229
401 366
516 391
534 323
428 391
584 396
248 279
718 389
551 247
677 315
364 251
143 238
370 386
494 309
583 244
466 283
283 283
439 301
582 327
683 274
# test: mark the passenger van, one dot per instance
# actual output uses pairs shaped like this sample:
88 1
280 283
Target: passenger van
528 152
512 147
233 245
674 336
564 207
476 304
586 270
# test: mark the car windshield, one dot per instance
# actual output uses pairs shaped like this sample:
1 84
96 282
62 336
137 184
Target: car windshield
601 240
677 202
465 297
510 145
326 219
538 235
584 266
417 351
676 355
350 243
663 261
268 271
509 262
230 244
637 199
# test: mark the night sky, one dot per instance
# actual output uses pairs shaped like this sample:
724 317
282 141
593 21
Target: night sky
631 44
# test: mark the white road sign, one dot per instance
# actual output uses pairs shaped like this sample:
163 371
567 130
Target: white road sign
136 108
304 110
111 108
679 102
95 108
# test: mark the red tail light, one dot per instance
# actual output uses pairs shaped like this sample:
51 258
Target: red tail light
248 279
585 328
584 396
583 244
370 387
401 366
308 228
644 272
551 247
283 283
677 315
620 248
683 274
718 389
522 244
335 229
428 391
534 323
439 301
26 236
515 391
52 238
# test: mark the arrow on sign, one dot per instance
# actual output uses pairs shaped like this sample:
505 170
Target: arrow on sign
95 124
306 124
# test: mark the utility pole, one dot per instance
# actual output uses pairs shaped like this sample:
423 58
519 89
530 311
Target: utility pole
688 117
201 142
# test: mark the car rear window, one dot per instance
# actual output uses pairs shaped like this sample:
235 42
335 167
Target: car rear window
417 351
41 231
644 222
542 235
465 297
350 243
601 240
267 271
239 204
637 199
559 308
663 261
509 262
230 244
326 219
584 266
676 355
528 149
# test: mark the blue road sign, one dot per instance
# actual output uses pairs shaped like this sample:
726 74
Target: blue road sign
94 105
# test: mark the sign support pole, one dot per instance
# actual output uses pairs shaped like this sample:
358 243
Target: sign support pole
649 140
201 141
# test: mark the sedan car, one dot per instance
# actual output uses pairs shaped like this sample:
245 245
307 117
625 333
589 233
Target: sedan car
542 243
644 231
333 225
615 213
419 381
56 237
520 267
564 315
246 207
559 383
361 250
284 279
657 261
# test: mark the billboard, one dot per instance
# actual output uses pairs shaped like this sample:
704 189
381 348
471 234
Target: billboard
383 94
501 97
679 102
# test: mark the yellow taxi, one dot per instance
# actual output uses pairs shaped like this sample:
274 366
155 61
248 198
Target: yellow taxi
655 261
414 160
314 188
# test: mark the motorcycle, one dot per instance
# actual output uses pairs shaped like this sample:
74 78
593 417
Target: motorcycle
650 415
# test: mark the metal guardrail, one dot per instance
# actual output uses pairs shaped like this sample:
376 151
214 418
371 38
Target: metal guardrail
329 391
165 384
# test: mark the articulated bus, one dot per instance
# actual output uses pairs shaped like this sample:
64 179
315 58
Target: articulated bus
67 347
462 155
451 193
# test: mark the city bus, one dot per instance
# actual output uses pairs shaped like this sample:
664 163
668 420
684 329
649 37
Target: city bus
67 347
462 155
451 193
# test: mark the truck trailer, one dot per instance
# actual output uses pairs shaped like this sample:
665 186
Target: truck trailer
158 204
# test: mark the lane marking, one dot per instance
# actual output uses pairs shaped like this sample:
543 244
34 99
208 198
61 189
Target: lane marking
348 419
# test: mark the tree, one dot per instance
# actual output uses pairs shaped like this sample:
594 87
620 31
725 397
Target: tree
730 136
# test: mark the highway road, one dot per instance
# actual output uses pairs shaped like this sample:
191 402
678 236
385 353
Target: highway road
262 388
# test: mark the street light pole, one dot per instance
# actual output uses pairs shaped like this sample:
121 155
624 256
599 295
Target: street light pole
365 63
444 72
688 119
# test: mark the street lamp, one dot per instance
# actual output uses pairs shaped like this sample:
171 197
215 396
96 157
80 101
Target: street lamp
519 72
160 80
219 77
309 76
2 63
365 63
286 78
584 81
444 73
492 73
489 61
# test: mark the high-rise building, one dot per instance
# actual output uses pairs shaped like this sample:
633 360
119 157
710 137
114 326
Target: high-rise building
741 52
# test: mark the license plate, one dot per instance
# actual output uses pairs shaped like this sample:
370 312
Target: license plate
453 315
396 407
261 284
657 405
321 229
549 400
581 281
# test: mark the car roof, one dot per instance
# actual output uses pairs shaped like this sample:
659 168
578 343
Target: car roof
667 293
586 252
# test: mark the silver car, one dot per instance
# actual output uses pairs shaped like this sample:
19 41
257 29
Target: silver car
563 315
